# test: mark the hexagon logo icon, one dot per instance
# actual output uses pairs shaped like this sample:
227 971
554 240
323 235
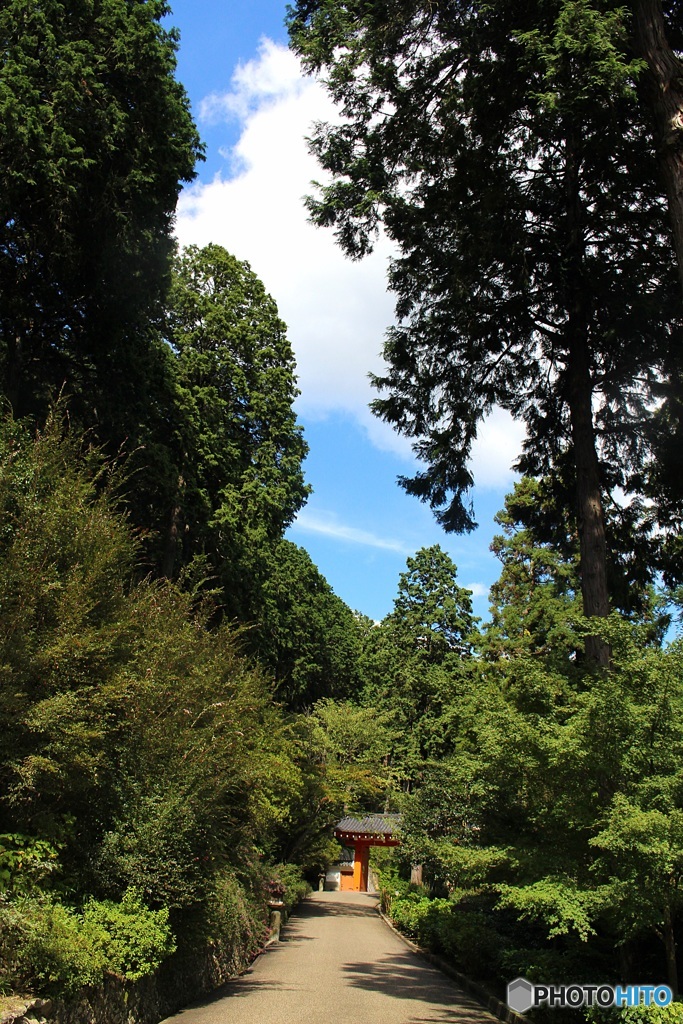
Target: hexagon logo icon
520 995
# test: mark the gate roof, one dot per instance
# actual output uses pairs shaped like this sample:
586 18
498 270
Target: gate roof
376 829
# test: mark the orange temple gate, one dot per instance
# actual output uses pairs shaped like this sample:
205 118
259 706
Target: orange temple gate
361 834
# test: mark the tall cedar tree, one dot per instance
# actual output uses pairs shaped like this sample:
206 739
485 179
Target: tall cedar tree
503 147
658 40
96 138
240 448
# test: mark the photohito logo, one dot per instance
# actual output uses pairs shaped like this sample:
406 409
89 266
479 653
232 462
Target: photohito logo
523 996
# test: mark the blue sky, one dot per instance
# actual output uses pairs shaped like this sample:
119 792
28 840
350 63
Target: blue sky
253 108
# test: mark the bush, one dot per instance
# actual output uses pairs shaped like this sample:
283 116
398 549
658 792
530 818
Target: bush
46 947
393 888
25 863
466 936
133 940
289 885
409 914
671 1014
235 923
155 848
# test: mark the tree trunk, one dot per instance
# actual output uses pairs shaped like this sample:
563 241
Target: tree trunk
589 510
172 539
590 517
662 93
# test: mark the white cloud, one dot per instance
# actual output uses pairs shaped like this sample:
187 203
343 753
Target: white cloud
336 310
477 589
328 524
498 443
274 74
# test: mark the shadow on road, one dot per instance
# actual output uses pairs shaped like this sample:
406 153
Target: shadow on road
402 976
316 908
236 987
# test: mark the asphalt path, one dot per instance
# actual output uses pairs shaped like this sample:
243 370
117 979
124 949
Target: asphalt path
337 962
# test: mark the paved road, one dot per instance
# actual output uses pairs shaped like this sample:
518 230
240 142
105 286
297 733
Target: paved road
338 963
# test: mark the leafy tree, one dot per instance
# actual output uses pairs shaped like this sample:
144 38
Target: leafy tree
505 152
414 662
65 561
642 854
240 482
304 633
431 609
561 801
356 742
137 741
97 138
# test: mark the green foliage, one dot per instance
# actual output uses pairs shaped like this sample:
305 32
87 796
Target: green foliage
355 742
134 940
463 933
305 635
140 745
233 921
510 162
157 847
47 947
416 660
559 902
240 480
555 810
671 1014
25 863
582 56
642 855
67 626
288 884
431 611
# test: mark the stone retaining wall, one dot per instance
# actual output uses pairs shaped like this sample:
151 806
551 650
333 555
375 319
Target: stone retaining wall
179 981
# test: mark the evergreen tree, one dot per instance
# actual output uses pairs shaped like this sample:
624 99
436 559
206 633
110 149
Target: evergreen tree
535 603
658 40
239 447
413 663
431 610
96 139
304 633
505 152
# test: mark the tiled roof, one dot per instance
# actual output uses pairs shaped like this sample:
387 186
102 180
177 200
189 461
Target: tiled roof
371 824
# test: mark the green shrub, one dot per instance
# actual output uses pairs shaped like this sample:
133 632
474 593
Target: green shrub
392 888
46 947
155 847
561 964
235 920
133 939
408 914
465 936
25 863
289 885
671 1014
